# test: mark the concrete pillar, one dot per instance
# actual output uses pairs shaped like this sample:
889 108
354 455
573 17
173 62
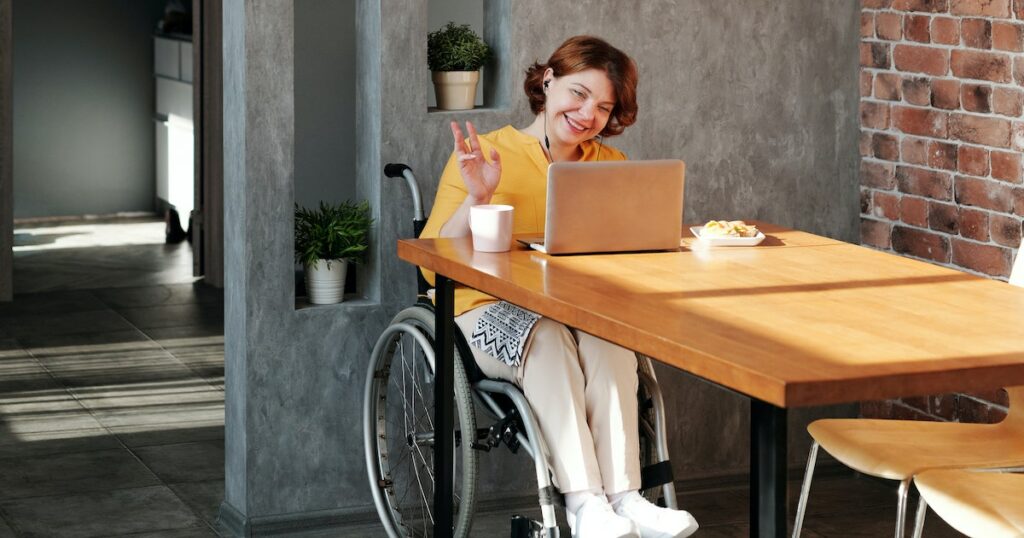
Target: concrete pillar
258 166
293 377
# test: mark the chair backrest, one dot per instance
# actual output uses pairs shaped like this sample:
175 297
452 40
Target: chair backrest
1015 416
1016 394
1017 273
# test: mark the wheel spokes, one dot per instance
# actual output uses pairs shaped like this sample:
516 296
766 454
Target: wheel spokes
406 434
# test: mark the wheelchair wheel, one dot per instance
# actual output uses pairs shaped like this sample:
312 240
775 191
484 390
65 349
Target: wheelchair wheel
399 432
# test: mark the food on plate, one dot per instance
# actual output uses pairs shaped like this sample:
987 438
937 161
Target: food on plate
732 228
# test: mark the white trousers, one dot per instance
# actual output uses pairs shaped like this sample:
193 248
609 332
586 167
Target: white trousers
583 393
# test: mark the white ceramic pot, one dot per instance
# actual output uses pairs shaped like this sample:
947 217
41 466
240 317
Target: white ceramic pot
325 281
455 90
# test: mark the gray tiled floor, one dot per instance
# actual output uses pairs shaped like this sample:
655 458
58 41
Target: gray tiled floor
104 513
111 409
104 430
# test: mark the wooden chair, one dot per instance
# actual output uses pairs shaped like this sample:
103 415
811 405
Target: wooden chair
1017 273
901 449
978 504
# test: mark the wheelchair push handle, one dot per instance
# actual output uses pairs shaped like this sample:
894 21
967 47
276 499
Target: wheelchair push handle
419 221
397 170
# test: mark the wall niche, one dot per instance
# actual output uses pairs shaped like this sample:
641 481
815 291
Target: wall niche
325 124
484 18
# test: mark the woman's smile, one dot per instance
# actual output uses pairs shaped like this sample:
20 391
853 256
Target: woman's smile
574 126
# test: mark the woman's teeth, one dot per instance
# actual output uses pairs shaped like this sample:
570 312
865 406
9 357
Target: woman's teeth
574 126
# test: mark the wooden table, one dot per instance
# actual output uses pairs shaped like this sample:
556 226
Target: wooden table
800 320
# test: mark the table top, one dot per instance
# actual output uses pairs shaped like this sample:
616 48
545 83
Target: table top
799 320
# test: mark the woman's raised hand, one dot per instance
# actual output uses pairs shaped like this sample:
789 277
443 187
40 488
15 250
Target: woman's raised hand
480 176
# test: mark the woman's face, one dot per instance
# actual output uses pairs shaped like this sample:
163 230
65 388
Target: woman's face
578 105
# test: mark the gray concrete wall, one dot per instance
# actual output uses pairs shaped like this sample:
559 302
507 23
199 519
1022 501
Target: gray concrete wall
6 153
325 96
760 101
470 12
83 124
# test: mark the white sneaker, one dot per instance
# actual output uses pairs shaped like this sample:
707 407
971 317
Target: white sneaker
596 519
655 521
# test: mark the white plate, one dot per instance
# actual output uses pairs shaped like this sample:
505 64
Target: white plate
727 241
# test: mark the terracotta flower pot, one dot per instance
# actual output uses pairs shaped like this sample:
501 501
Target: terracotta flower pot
455 90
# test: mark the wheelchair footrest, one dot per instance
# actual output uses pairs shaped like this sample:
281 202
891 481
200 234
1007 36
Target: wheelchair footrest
524 527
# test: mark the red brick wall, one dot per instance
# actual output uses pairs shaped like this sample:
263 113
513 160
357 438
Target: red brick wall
942 134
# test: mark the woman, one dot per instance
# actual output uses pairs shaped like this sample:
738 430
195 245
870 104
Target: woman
582 389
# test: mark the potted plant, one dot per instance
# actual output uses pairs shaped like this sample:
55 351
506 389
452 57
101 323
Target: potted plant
326 241
455 54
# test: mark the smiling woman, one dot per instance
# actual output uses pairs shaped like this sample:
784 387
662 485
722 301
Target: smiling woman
585 386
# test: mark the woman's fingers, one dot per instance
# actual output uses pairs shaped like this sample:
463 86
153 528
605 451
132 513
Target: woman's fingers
474 142
460 140
496 158
460 145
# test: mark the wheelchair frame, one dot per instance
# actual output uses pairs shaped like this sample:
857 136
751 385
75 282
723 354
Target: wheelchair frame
507 404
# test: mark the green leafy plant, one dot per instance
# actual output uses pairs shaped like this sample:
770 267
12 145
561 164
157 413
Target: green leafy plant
332 232
456 47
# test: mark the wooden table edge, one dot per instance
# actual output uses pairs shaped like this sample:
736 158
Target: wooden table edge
715 370
770 389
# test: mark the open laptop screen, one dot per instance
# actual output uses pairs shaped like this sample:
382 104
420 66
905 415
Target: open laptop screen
614 206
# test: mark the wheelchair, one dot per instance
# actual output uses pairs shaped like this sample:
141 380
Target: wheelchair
398 433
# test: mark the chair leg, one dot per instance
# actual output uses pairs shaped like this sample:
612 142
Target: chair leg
901 509
805 491
922 510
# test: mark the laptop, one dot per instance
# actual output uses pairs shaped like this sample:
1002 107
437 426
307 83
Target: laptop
612 206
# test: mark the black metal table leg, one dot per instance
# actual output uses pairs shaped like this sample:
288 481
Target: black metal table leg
444 405
767 470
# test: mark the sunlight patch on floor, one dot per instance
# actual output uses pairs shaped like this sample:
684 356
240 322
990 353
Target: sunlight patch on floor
27 239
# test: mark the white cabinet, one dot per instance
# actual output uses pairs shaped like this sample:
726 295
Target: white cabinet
174 99
175 175
186 61
167 57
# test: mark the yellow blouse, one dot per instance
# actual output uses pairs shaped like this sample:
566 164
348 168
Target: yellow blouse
523 186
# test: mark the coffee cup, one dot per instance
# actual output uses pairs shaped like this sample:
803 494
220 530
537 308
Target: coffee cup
491 226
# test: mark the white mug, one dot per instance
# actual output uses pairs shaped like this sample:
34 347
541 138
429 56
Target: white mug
491 226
